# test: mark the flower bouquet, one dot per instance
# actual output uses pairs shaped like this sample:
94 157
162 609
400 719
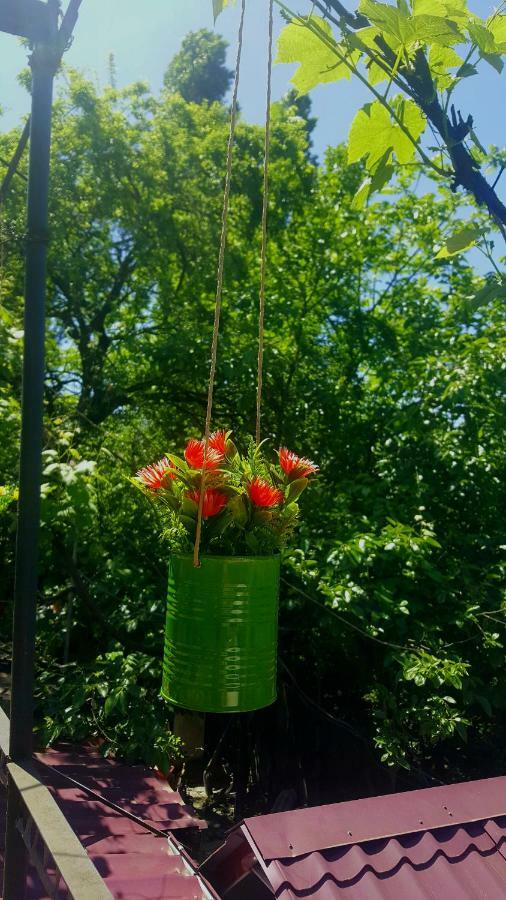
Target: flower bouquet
221 631
249 505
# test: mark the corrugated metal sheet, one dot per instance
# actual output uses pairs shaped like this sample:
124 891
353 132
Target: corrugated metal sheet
398 846
134 788
135 863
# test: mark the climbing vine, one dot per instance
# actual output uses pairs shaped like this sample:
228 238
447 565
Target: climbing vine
412 57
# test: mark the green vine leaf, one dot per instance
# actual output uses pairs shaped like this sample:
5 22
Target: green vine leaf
482 37
219 6
441 60
447 9
407 31
460 241
372 183
493 289
497 27
494 60
319 64
376 136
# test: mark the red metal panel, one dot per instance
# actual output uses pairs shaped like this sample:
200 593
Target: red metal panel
442 859
339 824
134 863
134 788
435 861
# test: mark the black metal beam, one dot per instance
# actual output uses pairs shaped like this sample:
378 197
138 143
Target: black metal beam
26 18
44 62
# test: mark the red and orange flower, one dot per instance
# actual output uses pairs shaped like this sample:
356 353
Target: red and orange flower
158 475
218 442
214 501
257 511
261 493
295 466
194 455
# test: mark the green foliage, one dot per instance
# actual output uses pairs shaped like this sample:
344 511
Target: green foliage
198 71
376 136
410 46
219 6
319 63
383 362
115 702
459 242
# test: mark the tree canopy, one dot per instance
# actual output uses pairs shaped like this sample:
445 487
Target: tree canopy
198 71
384 362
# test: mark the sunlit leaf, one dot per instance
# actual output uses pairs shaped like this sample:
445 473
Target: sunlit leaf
482 37
375 135
407 30
460 241
374 182
219 6
452 9
441 60
435 30
497 27
319 64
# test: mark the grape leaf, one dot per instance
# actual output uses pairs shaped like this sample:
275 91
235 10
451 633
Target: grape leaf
318 63
460 241
375 135
219 6
375 73
452 9
387 18
497 27
441 59
435 30
409 30
494 60
482 37
374 182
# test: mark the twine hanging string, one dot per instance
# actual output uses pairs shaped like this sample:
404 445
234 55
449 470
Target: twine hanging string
265 209
219 286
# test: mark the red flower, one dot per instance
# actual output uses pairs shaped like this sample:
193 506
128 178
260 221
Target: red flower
214 501
218 441
261 493
295 466
157 475
194 455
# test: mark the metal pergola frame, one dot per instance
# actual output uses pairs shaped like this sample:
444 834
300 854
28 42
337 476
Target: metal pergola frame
31 809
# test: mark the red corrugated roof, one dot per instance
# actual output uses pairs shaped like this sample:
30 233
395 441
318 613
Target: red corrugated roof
396 847
135 863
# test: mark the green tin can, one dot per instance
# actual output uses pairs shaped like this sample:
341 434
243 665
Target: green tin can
221 633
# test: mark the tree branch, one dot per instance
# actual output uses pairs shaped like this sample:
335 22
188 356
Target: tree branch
453 129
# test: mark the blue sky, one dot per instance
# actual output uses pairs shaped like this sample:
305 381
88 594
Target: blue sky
143 36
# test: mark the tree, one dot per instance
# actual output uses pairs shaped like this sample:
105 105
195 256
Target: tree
198 72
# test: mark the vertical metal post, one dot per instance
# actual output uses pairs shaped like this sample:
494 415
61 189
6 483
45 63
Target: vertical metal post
43 64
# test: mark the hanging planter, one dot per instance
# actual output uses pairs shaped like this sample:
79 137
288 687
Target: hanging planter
221 633
221 628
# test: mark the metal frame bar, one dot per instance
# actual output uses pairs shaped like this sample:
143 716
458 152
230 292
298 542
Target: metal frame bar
39 820
71 861
43 67
44 62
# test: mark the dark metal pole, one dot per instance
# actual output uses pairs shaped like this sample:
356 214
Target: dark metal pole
43 63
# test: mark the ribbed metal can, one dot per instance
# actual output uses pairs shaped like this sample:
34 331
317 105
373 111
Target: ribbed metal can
221 633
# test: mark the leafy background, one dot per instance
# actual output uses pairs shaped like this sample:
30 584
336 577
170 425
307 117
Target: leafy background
385 362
